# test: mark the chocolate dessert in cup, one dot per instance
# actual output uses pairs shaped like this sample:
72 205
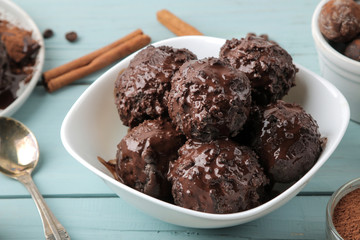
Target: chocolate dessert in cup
340 70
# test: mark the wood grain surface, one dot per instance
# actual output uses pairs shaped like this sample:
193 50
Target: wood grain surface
80 200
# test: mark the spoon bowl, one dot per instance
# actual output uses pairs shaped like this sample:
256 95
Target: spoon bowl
19 152
19 155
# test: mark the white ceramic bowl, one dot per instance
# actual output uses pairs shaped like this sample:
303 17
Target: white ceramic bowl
15 15
92 128
340 70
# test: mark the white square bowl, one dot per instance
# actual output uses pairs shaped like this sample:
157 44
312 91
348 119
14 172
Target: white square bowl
93 128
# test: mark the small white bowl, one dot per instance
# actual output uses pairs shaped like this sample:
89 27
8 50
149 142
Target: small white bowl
18 17
340 70
92 128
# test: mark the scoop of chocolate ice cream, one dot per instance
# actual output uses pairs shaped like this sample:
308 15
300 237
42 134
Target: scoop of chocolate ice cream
287 140
209 99
268 66
339 20
352 49
141 90
143 157
217 177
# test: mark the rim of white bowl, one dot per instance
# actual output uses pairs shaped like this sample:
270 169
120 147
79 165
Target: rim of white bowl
37 69
320 39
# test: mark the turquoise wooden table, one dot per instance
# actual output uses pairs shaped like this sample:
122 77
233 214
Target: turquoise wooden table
80 200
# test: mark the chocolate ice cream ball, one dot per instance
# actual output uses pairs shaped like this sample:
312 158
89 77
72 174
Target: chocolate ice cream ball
287 141
339 20
268 66
209 99
143 157
352 50
141 90
217 177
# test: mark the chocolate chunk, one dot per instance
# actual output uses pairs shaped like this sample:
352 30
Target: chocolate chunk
71 36
48 33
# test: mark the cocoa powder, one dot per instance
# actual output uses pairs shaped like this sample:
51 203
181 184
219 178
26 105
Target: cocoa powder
18 42
346 217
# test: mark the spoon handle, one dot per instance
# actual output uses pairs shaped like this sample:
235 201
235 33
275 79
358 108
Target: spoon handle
52 228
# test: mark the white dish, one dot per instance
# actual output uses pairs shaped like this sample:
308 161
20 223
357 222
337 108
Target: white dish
92 128
15 15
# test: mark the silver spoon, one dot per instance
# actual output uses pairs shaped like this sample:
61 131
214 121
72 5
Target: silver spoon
19 154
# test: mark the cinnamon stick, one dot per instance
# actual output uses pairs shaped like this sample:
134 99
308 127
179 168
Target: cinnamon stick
175 24
83 66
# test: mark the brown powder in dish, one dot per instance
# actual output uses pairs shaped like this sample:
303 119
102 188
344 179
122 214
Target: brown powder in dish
346 217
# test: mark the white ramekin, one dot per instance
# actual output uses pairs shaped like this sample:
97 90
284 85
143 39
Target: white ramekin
340 70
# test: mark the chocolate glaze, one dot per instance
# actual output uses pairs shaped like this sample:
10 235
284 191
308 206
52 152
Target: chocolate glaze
268 66
339 20
287 141
141 90
143 157
217 177
209 99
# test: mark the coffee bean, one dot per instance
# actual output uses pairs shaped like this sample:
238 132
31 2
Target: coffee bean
71 36
48 33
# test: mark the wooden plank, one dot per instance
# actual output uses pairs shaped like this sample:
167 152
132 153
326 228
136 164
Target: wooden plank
287 22
111 218
79 199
